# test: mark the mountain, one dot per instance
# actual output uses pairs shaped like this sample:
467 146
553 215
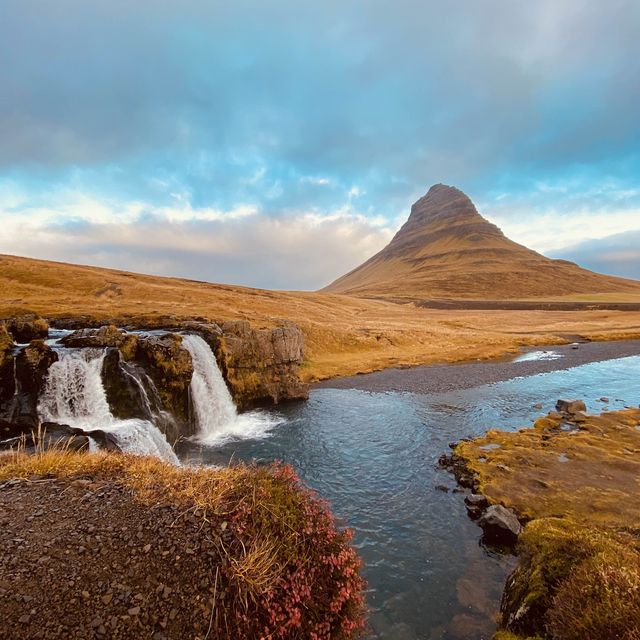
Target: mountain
446 249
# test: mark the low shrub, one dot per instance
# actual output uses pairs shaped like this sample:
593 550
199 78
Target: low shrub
600 599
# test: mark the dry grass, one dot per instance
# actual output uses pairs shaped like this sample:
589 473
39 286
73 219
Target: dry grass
344 335
597 485
283 564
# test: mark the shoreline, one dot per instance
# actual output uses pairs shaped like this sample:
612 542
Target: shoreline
438 378
576 530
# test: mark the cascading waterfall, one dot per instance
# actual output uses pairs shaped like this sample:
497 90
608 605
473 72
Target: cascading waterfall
212 402
74 394
216 416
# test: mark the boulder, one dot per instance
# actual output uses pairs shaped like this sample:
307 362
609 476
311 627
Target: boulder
169 366
475 504
27 327
570 407
107 336
261 366
53 435
500 525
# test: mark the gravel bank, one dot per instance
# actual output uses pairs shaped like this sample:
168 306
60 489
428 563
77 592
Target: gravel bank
449 377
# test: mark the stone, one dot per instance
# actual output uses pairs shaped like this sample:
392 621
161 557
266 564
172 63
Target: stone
27 327
475 505
476 500
106 336
261 366
7 366
570 406
30 369
500 525
604 399
170 367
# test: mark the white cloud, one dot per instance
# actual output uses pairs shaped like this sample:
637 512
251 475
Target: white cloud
302 249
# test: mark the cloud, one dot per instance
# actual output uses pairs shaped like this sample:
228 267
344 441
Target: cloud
177 113
301 250
617 254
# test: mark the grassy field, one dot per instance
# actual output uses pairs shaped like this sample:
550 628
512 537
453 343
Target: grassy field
344 335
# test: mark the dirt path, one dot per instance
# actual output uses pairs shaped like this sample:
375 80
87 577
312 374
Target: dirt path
82 559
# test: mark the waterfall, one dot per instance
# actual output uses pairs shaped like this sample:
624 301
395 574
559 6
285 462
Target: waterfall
216 416
73 394
212 403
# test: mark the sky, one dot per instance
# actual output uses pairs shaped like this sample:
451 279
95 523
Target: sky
279 144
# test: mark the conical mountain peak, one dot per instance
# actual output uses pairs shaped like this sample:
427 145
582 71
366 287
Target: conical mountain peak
446 249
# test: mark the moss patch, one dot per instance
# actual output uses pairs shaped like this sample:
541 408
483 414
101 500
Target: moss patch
579 572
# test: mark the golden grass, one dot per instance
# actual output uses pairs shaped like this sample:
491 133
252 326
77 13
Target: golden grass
597 485
344 335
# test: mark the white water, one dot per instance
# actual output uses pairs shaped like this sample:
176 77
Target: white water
216 416
74 394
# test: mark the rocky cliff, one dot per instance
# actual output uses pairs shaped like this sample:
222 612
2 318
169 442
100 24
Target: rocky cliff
147 375
261 366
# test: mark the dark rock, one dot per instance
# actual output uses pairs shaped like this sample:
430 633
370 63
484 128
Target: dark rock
500 525
261 366
131 393
477 500
475 504
106 336
122 387
27 327
442 487
604 399
570 406
169 366
31 366
7 367
47 436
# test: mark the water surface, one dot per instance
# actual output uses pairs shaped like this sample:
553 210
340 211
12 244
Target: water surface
374 457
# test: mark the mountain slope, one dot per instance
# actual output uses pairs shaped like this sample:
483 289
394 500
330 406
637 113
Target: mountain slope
446 249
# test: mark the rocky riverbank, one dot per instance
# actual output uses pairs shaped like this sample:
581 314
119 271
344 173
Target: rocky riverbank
572 481
112 546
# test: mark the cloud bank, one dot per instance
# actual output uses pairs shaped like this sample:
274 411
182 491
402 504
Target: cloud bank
157 119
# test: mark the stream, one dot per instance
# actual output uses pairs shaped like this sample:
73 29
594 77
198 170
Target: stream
374 457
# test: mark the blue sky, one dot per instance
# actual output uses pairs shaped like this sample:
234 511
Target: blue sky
279 144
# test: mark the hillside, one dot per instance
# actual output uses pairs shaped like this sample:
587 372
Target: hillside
446 249
344 334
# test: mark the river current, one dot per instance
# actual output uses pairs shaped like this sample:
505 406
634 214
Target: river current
374 456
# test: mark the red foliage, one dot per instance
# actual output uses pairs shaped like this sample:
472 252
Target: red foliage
318 595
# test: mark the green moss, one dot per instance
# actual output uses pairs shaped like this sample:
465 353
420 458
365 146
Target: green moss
507 635
552 553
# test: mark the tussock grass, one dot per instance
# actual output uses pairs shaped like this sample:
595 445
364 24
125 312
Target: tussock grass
575 582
